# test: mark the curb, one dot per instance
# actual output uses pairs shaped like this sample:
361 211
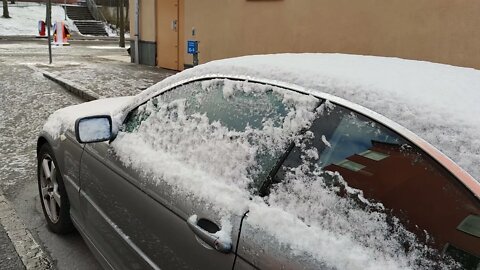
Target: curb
72 87
30 252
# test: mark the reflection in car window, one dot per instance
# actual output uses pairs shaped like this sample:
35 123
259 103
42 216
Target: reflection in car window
397 185
349 134
225 126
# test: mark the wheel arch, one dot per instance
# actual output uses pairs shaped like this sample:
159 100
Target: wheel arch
40 142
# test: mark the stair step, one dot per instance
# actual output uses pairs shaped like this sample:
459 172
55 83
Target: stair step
78 13
91 28
84 21
88 23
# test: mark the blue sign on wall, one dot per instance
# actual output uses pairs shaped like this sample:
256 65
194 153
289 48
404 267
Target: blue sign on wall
192 46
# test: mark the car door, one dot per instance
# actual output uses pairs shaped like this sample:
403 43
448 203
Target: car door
70 166
170 190
369 199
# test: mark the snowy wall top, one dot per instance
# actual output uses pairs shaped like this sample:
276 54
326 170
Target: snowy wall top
440 103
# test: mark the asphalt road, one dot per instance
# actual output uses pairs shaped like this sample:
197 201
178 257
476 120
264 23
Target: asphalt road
9 259
26 100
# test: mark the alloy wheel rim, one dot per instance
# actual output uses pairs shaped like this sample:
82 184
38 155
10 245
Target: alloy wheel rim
49 188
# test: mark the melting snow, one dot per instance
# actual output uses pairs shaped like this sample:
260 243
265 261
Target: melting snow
438 102
25 16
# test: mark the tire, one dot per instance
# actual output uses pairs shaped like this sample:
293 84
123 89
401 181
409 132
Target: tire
53 196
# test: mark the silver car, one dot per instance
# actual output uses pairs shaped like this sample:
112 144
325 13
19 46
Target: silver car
253 169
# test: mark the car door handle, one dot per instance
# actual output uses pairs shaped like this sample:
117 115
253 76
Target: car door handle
209 237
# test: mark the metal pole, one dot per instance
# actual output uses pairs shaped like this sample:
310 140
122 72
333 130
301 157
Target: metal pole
49 23
65 9
122 26
195 59
137 30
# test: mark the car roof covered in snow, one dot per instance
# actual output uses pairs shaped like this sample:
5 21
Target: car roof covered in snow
439 103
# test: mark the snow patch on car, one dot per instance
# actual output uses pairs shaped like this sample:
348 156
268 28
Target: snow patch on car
305 213
202 157
435 101
63 120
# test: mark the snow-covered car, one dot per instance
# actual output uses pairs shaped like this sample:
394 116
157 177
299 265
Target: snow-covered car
291 161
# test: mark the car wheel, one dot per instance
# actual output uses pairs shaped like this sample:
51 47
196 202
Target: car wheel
53 196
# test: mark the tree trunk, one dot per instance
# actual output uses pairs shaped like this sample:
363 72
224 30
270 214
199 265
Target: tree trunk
122 26
5 9
127 7
118 15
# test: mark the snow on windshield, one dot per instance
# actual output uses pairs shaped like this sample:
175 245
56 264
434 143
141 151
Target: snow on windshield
199 154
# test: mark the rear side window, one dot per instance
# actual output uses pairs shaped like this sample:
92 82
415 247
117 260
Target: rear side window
380 172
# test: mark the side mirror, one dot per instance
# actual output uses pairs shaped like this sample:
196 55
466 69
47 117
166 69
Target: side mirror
93 129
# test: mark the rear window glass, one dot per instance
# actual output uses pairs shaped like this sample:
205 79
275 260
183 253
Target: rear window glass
380 171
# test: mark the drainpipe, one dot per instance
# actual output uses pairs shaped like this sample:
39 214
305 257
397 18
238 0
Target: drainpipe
137 30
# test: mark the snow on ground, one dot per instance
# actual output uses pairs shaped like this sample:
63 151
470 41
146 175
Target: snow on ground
106 47
25 16
113 32
104 77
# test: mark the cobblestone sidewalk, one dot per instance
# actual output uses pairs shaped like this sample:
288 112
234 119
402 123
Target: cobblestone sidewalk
105 77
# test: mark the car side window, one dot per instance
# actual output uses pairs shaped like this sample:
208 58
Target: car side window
231 129
356 157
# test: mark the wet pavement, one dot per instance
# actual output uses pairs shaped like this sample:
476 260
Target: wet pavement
108 78
104 75
26 100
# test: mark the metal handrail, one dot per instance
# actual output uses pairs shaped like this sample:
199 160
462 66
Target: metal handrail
97 14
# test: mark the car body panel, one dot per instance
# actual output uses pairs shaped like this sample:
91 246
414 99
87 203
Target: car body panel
98 214
68 154
99 255
145 233
264 251
72 156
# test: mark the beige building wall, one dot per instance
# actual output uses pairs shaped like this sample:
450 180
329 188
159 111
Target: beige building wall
147 19
442 31
131 17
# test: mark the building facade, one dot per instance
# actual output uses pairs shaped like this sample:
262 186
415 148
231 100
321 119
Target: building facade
442 31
